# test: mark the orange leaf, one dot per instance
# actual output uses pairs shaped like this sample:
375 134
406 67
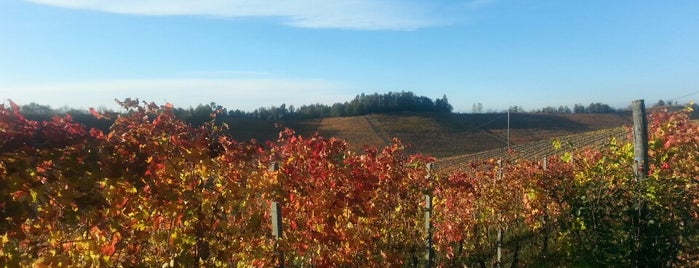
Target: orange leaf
96 114
15 109
108 249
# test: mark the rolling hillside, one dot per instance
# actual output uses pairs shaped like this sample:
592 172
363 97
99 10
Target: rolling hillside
359 131
459 134
436 134
536 149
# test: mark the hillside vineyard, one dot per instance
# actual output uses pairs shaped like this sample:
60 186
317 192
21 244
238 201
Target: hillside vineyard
156 191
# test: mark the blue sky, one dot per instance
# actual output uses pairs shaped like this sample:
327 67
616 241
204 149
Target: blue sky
246 54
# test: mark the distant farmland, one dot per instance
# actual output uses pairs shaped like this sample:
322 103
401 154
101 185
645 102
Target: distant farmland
439 135
536 149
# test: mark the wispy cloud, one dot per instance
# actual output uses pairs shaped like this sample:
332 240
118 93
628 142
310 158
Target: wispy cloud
243 94
356 14
225 74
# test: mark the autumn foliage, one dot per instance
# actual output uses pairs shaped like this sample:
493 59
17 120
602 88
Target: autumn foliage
155 191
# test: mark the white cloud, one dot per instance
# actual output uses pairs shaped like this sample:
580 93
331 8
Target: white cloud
243 94
356 14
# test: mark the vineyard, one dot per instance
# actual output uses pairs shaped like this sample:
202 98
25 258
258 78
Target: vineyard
439 135
154 191
446 136
536 150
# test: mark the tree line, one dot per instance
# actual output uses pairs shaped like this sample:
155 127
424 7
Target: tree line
593 108
362 104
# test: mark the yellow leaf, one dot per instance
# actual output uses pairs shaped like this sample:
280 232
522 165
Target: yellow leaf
567 157
33 194
557 144
132 190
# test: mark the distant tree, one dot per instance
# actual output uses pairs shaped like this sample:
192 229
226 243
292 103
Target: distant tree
563 110
661 103
282 111
443 105
516 109
549 110
362 104
183 114
337 110
477 108
579 109
37 109
236 114
200 114
599 108
553 110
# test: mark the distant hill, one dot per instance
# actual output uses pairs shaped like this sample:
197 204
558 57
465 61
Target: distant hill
457 134
443 135
437 134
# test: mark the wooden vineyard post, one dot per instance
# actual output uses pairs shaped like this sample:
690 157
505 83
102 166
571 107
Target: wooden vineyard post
276 212
640 138
429 254
640 141
546 164
545 246
508 131
498 261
